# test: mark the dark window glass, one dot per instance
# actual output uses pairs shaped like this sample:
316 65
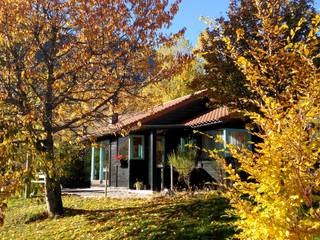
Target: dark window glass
160 150
137 147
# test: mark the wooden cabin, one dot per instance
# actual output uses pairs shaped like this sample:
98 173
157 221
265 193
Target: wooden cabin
141 155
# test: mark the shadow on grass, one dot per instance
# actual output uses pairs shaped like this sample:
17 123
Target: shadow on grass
163 218
168 219
36 217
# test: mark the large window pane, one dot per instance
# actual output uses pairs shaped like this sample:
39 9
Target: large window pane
123 148
137 147
106 161
239 138
104 150
96 163
160 151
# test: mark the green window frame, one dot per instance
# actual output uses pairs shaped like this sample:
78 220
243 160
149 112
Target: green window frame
228 135
136 147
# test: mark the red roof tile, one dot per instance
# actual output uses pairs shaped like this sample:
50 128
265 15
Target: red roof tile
212 116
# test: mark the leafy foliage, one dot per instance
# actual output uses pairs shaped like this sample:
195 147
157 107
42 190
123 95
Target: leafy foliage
182 217
183 160
177 85
12 170
76 171
66 65
281 198
222 75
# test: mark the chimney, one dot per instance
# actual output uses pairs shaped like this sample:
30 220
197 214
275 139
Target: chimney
114 118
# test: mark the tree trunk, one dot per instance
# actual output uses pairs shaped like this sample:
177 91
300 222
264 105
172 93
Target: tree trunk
52 183
53 189
53 198
52 186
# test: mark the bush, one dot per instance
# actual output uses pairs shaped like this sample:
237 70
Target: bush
183 161
279 201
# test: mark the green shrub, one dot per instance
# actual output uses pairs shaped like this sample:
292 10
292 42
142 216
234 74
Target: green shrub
183 160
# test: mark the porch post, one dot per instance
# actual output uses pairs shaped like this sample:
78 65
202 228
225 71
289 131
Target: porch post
163 158
92 163
102 157
171 177
129 161
27 184
152 152
162 177
107 174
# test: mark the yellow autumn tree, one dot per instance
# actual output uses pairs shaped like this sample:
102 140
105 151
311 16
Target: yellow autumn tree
66 65
280 199
176 85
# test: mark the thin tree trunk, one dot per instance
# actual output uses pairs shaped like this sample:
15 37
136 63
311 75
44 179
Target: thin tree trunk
53 198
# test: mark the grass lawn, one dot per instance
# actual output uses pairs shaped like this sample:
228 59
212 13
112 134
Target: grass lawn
180 217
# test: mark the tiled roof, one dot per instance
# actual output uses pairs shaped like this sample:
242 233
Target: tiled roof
152 113
210 117
131 120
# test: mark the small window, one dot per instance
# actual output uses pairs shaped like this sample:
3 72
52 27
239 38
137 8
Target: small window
136 147
123 148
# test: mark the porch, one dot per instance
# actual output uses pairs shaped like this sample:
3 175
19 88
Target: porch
111 192
141 157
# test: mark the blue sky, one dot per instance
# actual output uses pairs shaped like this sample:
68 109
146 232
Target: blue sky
191 10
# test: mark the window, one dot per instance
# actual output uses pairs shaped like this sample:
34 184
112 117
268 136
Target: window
123 148
160 150
96 163
239 137
187 140
210 142
134 151
236 137
136 147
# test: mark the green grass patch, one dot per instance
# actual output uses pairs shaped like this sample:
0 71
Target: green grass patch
180 217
